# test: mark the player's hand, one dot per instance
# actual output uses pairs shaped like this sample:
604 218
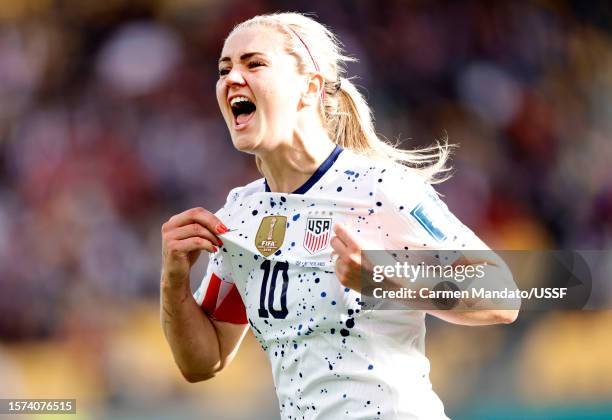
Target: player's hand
184 237
347 246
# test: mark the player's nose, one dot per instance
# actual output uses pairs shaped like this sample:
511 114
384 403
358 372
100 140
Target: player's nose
234 77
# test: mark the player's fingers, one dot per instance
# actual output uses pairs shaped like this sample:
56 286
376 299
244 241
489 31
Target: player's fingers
334 257
194 243
339 247
182 219
366 263
350 239
197 215
194 229
340 269
346 256
344 276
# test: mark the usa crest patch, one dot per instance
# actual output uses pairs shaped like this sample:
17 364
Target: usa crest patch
318 233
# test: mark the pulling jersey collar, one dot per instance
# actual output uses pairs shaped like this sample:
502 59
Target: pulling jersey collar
318 173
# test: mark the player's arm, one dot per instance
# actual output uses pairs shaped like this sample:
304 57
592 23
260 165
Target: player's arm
201 347
477 317
349 266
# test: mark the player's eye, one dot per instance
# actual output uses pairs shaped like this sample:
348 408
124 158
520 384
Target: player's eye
253 64
223 72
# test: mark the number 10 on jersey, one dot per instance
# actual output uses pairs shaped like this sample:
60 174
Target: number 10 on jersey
268 290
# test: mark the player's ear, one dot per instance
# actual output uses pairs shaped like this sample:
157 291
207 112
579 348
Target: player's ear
314 84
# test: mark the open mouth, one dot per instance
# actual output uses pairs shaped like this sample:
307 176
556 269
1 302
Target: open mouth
243 110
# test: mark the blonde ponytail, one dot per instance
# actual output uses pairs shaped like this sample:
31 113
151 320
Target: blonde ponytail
347 116
351 126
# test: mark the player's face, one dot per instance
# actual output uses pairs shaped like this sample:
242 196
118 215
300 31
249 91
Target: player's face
259 89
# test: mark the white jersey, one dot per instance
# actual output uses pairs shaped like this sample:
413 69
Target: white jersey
331 359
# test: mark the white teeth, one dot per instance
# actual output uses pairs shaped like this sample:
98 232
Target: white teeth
237 99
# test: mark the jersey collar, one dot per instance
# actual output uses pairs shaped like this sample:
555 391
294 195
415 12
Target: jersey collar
318 173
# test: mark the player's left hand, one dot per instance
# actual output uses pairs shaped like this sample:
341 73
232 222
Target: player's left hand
348 246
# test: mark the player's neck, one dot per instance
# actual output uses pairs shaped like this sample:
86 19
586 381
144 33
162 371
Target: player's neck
292 163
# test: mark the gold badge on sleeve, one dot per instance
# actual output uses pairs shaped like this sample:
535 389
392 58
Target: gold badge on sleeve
271 234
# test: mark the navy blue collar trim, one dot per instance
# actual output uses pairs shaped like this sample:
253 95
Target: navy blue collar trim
318 173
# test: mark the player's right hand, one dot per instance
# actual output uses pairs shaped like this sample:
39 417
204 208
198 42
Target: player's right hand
184 237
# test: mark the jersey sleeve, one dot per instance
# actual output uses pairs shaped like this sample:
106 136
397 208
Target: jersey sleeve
412 216
218 295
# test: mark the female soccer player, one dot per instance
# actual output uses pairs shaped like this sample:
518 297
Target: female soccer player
284 97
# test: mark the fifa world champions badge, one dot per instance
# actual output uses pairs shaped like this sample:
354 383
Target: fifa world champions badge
318 232
271 234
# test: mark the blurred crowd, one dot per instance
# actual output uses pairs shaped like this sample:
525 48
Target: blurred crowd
109 125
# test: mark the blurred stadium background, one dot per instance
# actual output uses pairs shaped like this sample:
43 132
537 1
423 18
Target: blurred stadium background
109 125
